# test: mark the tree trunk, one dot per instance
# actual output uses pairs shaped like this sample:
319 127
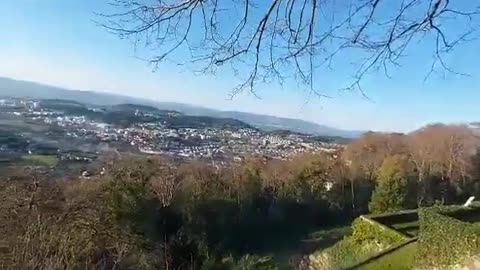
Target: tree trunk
352 188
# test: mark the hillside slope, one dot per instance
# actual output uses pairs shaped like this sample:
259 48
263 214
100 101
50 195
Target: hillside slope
15 88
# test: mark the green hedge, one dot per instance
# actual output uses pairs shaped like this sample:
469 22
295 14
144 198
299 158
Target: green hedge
401 259
394 218
366 230
367 238
443 240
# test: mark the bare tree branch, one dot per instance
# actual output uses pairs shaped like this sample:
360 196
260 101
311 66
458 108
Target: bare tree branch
264 41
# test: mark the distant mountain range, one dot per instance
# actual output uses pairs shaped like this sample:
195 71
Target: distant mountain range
16 88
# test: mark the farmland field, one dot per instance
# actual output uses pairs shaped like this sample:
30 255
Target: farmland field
45 160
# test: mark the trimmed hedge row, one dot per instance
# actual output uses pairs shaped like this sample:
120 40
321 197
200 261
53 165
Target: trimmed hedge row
368 237
443 240
401 259
389 219
365 229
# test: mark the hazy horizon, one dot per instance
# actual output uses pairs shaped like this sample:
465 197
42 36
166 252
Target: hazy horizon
162 101
57 43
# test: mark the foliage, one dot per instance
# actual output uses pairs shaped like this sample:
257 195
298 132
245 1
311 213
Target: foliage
329 233
247 262
161 213
409 228
405 222
401 259
364 230
46 160
392 218
366 239
124 115
77 234
12 139
445 241
390 195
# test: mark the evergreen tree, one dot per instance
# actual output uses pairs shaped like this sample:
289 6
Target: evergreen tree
391 192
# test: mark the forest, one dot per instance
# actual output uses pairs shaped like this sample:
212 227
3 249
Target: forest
124 115
150 212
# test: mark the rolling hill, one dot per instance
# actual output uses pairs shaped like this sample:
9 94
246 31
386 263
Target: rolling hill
16 88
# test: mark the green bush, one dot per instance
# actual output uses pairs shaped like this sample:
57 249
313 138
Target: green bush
367 231
401 259
247 262
347 252
391 192
79 234
367 238
445 241
395 218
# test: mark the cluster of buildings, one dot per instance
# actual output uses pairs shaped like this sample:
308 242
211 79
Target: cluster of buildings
157 138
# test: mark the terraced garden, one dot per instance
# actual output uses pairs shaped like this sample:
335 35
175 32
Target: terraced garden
401 259
448 238
405 222
386 241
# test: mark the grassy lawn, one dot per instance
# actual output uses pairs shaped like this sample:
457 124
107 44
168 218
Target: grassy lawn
327 237
401 259
408 228
317 240
41 160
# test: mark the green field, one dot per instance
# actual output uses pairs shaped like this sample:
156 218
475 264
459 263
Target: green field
400 259
40 160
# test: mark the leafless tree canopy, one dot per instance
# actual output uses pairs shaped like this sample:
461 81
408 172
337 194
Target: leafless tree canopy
264 41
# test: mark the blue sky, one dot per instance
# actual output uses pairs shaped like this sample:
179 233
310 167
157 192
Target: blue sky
56 42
